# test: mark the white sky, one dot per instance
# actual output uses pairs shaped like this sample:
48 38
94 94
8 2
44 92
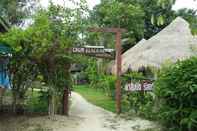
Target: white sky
91 3
192 4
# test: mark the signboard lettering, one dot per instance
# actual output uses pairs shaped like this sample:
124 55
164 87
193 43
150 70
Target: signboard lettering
95 51
145 86
78 50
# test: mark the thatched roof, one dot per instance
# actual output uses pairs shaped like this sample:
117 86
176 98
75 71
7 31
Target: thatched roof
172 43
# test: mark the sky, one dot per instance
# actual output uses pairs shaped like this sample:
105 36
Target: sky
192 4
91 3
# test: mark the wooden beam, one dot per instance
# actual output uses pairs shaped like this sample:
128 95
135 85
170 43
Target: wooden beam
109 30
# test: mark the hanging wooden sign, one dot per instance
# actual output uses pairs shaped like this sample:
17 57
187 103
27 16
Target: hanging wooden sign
94 51
89 49
104 55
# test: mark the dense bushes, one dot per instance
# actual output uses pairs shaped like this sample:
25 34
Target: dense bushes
176 88
140 103
174 99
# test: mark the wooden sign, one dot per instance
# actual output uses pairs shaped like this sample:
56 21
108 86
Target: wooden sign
94 51
144 86
89 49
104 55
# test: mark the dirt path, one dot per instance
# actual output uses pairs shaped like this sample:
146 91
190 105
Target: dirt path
83 117
98 119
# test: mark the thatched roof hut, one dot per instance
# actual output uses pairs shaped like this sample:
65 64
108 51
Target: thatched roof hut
173 43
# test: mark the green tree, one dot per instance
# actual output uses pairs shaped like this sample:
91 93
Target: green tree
23 70
158 14
120 14
53 31
142 19
43 46
16 10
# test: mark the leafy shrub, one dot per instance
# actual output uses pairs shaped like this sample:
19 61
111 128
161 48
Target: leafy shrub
106 83
176 88
140 102
100 80
37 102
109 85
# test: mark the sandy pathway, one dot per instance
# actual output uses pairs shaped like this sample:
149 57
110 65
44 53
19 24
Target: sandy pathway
98 119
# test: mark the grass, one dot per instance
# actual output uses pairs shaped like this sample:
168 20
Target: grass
96 97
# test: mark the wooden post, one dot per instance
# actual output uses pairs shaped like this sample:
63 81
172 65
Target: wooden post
1 97
118 32
66 101
142 88
118 72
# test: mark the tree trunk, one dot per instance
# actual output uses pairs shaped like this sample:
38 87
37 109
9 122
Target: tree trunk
66 101
1 97
51 107
14 103
18 103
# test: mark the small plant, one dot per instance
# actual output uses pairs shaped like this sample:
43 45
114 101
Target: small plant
37 102
140 102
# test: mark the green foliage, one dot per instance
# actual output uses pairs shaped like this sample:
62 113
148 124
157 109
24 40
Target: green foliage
15 11
92 72
107 83
40 50
191 16
37 102
53 61
134 76
96 97
22 68
176 89
158 14
99 80
141 18
120 14
140 102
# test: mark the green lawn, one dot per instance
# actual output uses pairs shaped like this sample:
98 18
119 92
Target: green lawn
96 97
